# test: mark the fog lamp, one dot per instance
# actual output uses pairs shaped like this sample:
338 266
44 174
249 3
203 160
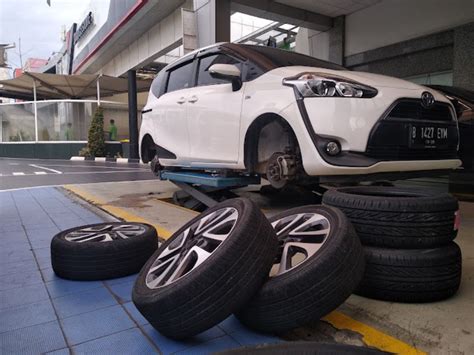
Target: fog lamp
332 148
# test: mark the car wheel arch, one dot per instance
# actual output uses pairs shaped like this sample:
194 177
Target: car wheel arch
253 137
147 148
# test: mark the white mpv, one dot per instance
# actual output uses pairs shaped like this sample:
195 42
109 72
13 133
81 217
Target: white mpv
289 117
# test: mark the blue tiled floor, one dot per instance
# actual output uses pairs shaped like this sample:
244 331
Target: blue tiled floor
42 313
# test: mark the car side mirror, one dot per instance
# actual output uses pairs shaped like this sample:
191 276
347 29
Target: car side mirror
227 72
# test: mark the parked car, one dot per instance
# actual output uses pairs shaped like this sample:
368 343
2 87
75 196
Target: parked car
463 101
289 117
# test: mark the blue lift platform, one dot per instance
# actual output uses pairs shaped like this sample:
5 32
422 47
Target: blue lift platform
205 187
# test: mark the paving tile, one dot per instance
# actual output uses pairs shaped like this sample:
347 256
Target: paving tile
19 266
33 340
57 217
60 287
168 346
42 233
41 252
14 246
135 313
70 223
121 280
41 243
248 337
82 302
40 220
96 324
92 220
22 296
7 238
28 315
231 325
10 225
44 262
16 256
130 341
12 243
49 275
64 351
20 279
48 224
123 291
223 343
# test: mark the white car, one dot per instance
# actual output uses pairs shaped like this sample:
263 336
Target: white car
289 117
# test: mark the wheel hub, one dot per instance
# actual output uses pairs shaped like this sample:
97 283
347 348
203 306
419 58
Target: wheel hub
281 168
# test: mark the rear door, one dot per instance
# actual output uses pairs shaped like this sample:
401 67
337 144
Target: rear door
170 125
213 115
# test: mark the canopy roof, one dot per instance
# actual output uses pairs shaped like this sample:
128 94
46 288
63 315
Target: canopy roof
58 86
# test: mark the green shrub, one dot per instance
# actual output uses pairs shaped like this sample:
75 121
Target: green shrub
84 152
96 141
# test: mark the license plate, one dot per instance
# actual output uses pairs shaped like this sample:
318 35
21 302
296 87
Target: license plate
428 136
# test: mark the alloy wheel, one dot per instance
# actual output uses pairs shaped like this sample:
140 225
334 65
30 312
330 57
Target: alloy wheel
191 247
105 233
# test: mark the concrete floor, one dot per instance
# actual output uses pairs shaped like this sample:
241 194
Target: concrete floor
445 327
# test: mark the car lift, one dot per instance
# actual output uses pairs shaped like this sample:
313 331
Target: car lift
206 188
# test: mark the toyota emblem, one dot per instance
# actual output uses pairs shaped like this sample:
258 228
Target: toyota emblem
427 99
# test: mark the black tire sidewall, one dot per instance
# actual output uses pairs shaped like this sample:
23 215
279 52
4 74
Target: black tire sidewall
102 260
223 270
412 275
312 285
385 217
60 244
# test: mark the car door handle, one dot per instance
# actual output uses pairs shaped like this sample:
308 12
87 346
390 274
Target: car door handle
193 99
181 100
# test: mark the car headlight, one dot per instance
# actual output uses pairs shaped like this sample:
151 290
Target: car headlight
321 85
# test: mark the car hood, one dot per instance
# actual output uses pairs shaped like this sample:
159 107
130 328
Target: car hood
374 80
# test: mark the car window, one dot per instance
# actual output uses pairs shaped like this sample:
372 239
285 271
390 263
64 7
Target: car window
180 78
205 78
157 86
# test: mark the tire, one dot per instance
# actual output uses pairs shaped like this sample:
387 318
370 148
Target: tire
183 305
95 259
417 275
315 286
395 217
302 348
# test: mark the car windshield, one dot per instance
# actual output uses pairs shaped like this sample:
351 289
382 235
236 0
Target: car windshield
284 58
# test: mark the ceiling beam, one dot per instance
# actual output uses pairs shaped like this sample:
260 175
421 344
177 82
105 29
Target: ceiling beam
275 11
253 36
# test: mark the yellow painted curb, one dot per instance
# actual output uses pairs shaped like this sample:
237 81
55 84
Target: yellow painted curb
371 336
176 206
117 211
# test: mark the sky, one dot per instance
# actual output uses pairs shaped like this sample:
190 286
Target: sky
38 25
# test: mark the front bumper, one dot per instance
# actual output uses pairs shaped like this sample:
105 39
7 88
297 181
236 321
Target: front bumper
380 146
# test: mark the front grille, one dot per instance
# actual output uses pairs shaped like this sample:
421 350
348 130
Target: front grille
412 109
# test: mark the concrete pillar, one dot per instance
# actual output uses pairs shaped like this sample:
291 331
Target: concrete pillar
326 45
222 20
463 67
213 21
132 113
336 40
